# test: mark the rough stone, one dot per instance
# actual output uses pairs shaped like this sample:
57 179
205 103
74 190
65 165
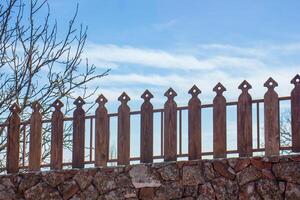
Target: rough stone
225 188
206 192
68 188
289 171
84 178
192 175
248 174
169 172
223 169
268 189
146 193
104 182
292 191
42 191
141 177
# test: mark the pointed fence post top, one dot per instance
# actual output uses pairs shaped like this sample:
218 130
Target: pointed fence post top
170 93
101 100
147 95
245 86
194 91
57 104
296 80
15 108
36 106
270 83
219 89
79 102
124 98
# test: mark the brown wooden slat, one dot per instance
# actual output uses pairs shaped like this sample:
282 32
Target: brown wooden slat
194 124
35 143
244 121
271 109
57 138
13 140
78 134
102 133
219 122
124 130
170 126
146 128
295 114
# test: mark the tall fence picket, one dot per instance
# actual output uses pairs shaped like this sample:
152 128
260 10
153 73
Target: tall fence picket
219 122
170 126
244 121
13 140
271 120
194 124
171 135
123 130
35 143
101 133
57 138
78 134
295 113
146 128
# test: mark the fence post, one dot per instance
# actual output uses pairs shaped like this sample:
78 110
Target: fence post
147 128
101 133
271 109
295 115
194 123
13 140
170 126
35 144
124 130
244 121
219 122
78 134
57 138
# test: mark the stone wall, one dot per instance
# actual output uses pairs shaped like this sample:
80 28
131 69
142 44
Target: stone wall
240 178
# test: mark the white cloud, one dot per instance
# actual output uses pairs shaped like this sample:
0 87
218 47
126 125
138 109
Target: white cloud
156 58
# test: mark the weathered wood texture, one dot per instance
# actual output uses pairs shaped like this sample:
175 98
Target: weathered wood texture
123 130
57 138
271 120
244 121
219 122
170 126
295 115
101 133
146 128
35 145
78 134
13 140
194 124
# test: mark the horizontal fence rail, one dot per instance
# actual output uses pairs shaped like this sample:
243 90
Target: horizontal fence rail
171 125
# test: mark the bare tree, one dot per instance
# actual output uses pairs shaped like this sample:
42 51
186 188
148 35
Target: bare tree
38 62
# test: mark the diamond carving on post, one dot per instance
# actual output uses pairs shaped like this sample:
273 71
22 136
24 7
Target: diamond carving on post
245 86
147 95
219 88
270 83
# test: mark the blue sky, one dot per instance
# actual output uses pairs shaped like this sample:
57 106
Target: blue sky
157 44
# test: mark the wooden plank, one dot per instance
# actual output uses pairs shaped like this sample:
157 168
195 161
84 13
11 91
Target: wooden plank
194 124
57 138
295 114
35 143
219 122
102 133
123 130
271 110
13 140
244 121
78 134
146 148
170 126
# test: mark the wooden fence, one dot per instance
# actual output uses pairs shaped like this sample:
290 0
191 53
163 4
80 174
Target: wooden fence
171 125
